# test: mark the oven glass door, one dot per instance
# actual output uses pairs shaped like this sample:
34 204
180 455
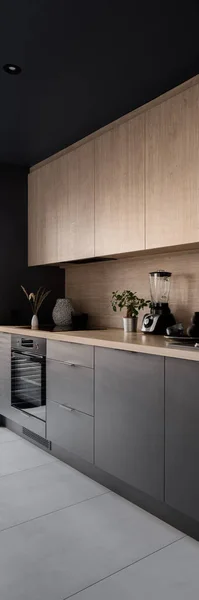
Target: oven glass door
28 384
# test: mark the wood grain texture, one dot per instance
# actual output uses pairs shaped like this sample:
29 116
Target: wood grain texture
65 197
172 171
47 203
79 225
90 286
61 208
138 111
119 189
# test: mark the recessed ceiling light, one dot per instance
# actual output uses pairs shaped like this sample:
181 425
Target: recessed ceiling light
12 69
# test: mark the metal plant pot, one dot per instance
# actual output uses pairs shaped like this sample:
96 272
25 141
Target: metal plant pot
128 324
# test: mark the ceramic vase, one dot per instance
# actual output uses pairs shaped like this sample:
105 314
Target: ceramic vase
34 322
62 313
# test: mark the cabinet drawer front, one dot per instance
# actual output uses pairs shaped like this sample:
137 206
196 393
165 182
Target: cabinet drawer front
70 429
27 421
70 385
71 353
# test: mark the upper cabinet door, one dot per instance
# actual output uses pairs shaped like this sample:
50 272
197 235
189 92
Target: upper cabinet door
61 208
172 171
47 202
79 231
119 189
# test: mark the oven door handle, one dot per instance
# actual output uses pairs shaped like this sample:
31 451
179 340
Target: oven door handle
30 354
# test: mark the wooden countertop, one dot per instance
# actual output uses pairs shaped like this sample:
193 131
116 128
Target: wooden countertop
111 338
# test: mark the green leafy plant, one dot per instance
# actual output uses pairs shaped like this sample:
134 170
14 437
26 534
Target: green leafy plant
130 301
37 299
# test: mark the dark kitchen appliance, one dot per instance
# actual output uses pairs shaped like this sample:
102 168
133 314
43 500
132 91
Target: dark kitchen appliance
79 321
193 329
176 330
160 317
28 376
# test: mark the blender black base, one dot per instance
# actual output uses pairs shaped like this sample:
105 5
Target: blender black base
162 324
157 324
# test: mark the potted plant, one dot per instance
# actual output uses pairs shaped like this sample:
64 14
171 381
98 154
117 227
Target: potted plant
133 305
36 300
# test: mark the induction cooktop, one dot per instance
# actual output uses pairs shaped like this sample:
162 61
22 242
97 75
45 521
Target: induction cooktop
183 341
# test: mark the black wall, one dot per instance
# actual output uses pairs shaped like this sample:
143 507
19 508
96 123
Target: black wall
14 270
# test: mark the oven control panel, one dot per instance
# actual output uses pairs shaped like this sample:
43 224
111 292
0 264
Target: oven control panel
29 345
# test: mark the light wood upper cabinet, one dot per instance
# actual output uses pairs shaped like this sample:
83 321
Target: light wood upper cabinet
131 187
61 208
79 232
172 171
119 189
47 200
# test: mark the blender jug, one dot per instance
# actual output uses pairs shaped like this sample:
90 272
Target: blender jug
159 287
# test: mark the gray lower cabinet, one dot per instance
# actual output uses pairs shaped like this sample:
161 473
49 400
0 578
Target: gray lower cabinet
27 421
5 375
71 385
70 352
70 429
129 418
182 435
70 397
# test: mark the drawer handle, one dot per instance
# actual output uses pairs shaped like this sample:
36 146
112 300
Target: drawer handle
66 407
69 363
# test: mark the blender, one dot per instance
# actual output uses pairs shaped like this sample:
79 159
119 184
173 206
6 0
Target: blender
160 317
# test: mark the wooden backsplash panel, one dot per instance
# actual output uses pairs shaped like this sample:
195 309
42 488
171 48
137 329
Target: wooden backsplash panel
90 286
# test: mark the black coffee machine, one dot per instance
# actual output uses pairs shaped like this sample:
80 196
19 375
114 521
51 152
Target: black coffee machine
160 317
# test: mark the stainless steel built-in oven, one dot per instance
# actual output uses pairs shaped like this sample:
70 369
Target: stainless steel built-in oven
28 371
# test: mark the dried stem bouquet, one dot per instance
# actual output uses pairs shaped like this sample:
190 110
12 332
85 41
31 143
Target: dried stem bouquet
36 300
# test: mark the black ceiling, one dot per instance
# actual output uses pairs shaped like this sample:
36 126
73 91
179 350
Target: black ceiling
85 63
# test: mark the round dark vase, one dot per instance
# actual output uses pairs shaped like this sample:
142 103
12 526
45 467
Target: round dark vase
193 329
135 324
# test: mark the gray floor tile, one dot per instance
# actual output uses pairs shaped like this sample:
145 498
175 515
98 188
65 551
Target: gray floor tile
36 492
7 436
171 573
20 455
55 556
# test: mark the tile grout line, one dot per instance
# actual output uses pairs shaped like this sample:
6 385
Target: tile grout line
10 441
52 512
70 506
123 568
53 461
25 470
